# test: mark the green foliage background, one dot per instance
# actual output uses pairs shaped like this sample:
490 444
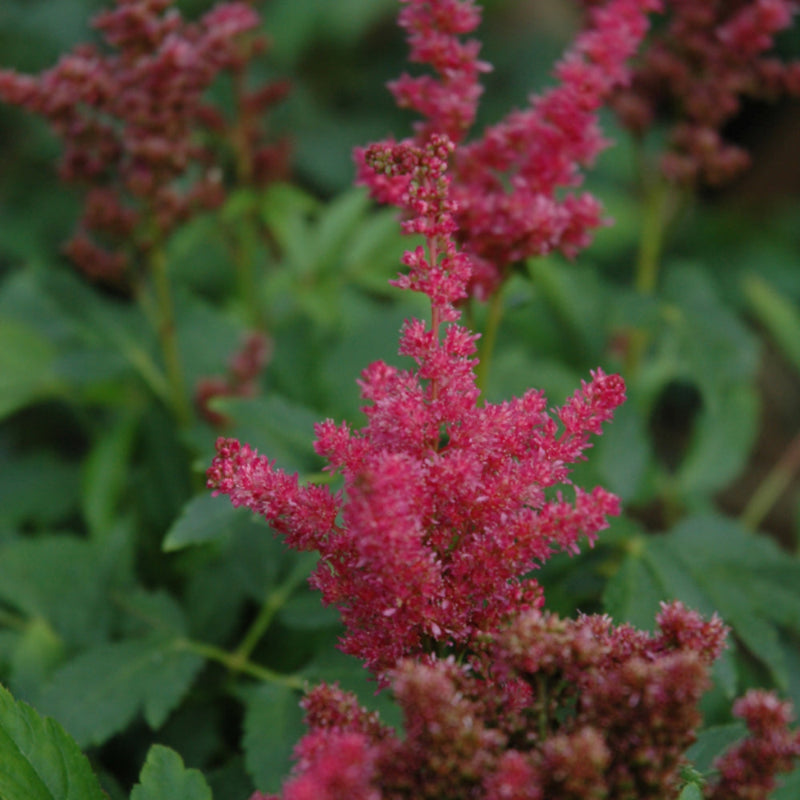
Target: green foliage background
149 619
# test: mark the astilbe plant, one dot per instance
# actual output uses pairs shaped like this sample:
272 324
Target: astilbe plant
698 67
137 130
446 503
515 187
545 708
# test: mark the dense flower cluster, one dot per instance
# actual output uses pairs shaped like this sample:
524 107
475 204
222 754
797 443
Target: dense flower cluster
748 769
244 367
132 118
513 188
546 709
446 504
695 71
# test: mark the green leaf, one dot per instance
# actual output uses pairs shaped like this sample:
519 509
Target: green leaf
39 650
273 724
37 487
634 593
164 777
98 693
204 519
60 579
337 224
789 787
304 611
777 314
712 743
691 792
38 761
26 366
724 433
712 564
623 453
105 475
280 429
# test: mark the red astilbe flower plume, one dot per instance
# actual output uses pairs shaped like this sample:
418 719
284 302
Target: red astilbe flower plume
697 68
747 770
446 503
545 709
136 128
509 185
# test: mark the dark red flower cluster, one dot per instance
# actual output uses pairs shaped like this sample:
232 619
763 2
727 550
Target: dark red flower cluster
447 504
135 126
543 709
694 72
240 381
514 188
747 771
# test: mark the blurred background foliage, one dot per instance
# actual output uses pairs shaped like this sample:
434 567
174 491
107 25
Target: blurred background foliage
136 609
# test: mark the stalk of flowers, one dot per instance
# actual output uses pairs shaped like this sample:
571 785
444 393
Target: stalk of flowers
244 367
515 188
139 134
136 129
694 73
446 504
549 709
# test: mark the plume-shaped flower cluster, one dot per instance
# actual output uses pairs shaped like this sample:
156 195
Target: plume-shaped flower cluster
135 126
697 68
547 709
447 504
514 188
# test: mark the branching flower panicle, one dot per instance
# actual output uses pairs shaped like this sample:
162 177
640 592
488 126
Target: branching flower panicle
136 129
446 503
546 709
694 73
514 188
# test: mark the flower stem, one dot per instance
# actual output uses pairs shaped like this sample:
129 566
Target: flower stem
236 663
489 339
273 602
772 487
167 335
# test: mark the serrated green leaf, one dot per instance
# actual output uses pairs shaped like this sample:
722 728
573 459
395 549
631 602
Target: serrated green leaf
98 693
26 366
634 593
38 761
203 519
273 724
722 561
699 316
623 453
164 777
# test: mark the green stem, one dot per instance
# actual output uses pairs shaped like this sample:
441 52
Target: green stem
660 200
273 602
167 335
772 487
236 663
658 208
489 339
